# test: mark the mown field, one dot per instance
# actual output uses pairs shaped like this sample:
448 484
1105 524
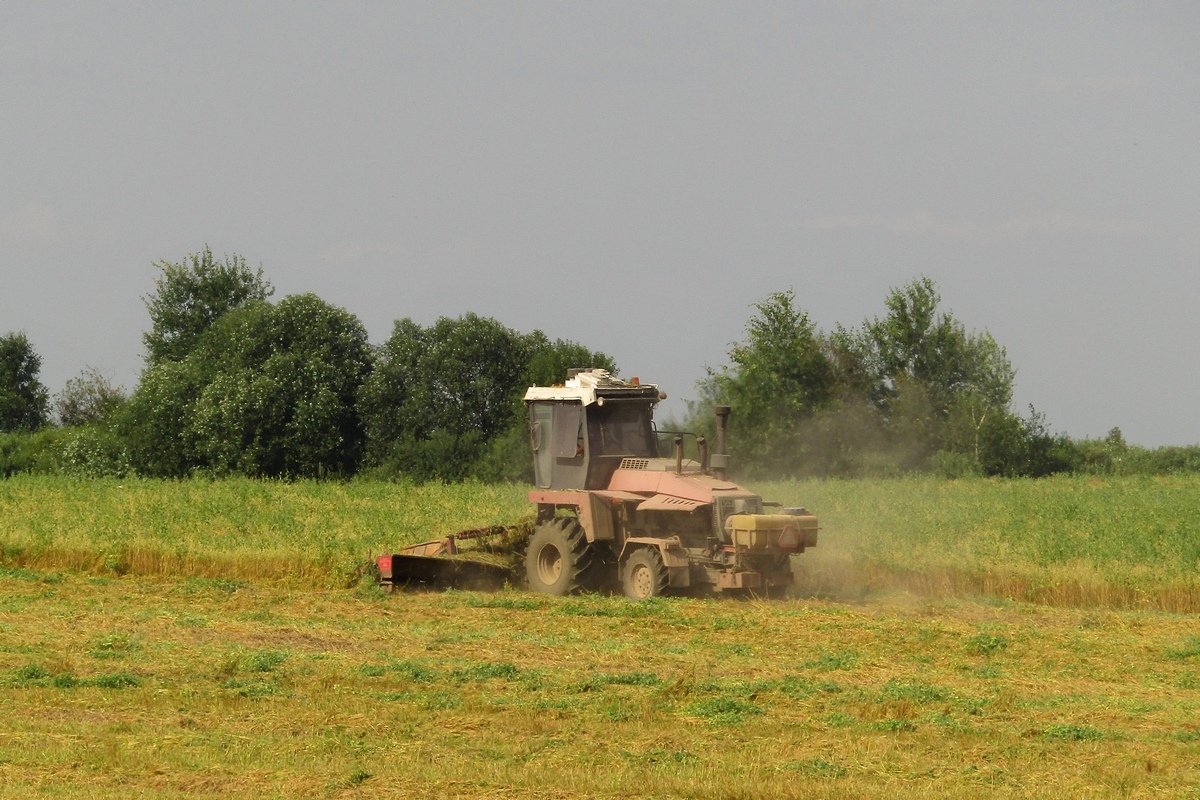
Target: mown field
976 638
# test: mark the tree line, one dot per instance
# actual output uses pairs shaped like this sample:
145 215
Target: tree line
235 383
912 390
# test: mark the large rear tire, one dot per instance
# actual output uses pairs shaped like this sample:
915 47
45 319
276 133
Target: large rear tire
559 560
644 575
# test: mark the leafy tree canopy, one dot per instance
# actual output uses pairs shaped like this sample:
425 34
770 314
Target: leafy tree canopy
915 345
23 398
444 401
87 398
191 295
886 397
268 390
779 376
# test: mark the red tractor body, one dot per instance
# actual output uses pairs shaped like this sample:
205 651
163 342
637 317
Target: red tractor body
610 506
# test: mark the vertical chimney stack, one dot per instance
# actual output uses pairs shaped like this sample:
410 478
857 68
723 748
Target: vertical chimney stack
720 459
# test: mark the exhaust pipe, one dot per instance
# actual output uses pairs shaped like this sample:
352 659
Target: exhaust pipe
702 448
720 459
678 455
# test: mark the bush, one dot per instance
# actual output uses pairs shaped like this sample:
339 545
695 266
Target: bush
38 452
1112 456
94 451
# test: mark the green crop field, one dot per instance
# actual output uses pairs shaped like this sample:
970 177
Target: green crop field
1066 540
1076 541
310 533
947 639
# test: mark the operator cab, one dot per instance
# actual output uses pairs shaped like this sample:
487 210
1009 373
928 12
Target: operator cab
582 430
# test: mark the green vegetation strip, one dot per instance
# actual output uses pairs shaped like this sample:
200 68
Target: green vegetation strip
316 533
1064 540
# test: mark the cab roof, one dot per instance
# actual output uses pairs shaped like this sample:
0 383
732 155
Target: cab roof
590 385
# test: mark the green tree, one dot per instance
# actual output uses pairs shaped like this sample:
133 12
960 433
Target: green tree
156 422
548 361
87 398
880 399
917 347
268 390
192 295
920 367
444 401
979 438
23 398
778 378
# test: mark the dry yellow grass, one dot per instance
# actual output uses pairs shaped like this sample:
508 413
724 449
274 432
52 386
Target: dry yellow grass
145 687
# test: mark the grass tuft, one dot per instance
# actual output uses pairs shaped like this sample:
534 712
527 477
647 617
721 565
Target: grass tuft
263 661
661 756
893 725
916 693
1073 733
723 710
815 768
511 602
985 644
417 673
1189 649
253 689
487 671
828 662
115 680
114 645
30 673
618 607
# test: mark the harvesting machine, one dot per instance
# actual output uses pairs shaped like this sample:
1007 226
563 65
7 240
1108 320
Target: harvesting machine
611 508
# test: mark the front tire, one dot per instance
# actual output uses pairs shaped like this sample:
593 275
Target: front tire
644 575
559 560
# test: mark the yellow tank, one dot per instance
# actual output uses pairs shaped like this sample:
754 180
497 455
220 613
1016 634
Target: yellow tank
784 531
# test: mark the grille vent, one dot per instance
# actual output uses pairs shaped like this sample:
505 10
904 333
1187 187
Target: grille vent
635 463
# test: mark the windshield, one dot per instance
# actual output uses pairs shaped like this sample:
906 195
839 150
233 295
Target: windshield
621 429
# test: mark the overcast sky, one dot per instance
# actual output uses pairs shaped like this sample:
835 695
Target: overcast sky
629 176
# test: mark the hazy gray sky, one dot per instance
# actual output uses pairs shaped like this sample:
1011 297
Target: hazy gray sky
630 176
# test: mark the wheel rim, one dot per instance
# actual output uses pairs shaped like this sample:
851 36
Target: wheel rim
641 581
549 564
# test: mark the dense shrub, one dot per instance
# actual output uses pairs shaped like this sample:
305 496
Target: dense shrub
37 451
94 451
